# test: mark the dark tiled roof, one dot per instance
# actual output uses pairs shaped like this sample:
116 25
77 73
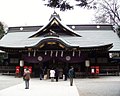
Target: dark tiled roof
91 27
24 28
73 27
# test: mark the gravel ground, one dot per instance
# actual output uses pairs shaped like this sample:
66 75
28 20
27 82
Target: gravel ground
103 86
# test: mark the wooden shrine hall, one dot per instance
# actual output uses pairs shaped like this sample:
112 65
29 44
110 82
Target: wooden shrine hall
90 49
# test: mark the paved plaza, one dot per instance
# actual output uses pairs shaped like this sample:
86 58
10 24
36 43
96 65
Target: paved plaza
102 86
11 86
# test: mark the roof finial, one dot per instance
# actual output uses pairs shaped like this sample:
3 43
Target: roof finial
55 15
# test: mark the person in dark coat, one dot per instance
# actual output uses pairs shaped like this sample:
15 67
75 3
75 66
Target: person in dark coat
45 73
41 73
71 75
56 74
65 73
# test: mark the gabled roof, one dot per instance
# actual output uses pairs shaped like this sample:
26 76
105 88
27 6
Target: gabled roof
54 21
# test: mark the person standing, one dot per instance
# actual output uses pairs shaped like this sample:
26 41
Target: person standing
41 73
45 73
71 75
56 74
26 77
65 73
52 74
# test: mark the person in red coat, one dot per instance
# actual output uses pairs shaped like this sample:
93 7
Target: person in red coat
26 77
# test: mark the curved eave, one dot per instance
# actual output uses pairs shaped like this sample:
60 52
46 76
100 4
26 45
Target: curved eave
13 49
56 39
105 47
92 48
97 48
61 41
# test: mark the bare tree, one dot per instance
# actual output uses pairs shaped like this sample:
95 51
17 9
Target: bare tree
108 12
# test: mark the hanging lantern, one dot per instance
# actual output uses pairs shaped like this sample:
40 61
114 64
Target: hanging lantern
110 55
28 53
45 52
62 54
87 63
73 53
21 63
34 53
79 53
56 53
51 53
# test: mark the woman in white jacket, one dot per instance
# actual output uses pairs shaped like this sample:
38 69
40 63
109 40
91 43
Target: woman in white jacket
52 74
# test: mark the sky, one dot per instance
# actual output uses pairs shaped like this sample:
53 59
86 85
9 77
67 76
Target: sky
34 12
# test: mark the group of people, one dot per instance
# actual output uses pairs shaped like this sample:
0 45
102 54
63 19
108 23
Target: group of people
54 73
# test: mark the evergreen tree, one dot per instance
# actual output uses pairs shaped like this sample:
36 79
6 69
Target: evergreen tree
2 31
66 5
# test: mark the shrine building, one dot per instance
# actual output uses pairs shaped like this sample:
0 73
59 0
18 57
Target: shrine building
91 48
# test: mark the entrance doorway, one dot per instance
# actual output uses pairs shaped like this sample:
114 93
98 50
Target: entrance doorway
53 63
47 65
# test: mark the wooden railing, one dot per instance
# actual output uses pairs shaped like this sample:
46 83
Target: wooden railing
4 69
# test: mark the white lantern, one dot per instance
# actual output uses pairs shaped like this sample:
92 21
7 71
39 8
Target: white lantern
21 63
110 55
87 63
